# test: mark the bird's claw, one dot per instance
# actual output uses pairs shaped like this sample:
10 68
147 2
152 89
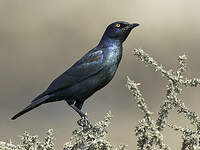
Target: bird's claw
84 122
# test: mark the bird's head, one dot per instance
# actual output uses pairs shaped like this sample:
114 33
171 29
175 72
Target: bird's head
119 30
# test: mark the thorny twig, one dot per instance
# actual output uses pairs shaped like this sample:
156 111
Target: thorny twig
147 133
174 89
92 137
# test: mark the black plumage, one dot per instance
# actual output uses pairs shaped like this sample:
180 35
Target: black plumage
89 74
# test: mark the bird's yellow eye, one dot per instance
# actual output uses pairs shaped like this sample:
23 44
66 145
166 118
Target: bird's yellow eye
117 25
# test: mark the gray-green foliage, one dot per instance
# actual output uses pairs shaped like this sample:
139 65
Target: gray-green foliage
31 142
86 137
149 132
92 137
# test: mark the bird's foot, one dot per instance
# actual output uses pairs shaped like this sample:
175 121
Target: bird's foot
84 122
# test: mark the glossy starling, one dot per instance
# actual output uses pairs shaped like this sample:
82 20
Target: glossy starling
89 74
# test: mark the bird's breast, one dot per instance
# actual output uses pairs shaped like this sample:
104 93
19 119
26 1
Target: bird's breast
113 56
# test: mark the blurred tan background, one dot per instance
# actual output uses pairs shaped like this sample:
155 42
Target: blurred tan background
40 39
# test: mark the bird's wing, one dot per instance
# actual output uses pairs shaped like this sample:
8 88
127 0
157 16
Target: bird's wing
87 66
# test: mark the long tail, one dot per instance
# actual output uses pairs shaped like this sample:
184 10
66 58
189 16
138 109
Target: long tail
33 105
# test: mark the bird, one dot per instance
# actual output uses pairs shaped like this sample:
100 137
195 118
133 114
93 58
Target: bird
89 74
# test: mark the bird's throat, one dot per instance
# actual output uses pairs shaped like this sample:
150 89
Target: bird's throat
107 42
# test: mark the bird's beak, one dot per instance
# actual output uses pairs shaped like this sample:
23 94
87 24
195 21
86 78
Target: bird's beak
133 25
